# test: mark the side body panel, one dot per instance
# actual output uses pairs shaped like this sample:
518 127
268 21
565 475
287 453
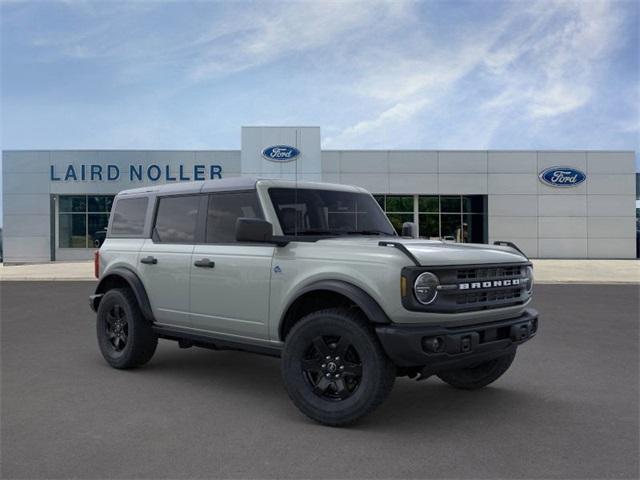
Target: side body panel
232 297
372 268
120 252
167 281
300 264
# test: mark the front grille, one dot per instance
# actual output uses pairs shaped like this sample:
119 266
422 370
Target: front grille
496 273
493 297
472 288
507 294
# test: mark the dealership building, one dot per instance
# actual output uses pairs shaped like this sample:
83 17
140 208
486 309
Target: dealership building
552 204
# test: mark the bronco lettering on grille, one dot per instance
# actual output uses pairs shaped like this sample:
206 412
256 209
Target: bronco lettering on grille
489 284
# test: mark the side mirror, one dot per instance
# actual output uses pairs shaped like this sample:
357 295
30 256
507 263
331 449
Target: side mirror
409 229
253 230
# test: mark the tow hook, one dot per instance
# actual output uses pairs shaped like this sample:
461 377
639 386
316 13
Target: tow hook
423 374
521 331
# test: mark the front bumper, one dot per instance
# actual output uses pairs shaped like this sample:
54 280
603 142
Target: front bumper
441 348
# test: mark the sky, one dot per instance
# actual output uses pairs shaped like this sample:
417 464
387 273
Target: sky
373 74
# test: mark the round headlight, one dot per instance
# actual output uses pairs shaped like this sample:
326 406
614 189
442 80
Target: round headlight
529 279
425 288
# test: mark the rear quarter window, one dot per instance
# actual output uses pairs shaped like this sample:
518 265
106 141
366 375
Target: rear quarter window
128 217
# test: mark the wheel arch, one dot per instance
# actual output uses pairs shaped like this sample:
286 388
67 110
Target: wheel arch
324 293
123 277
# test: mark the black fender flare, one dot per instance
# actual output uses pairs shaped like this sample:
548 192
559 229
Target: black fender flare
358 296
134 282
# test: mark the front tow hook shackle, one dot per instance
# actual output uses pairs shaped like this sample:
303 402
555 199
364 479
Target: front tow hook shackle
520 332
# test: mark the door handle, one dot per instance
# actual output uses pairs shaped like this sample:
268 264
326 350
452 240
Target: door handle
205 262
149 260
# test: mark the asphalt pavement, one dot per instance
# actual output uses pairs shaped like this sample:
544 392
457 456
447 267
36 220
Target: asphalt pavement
567 408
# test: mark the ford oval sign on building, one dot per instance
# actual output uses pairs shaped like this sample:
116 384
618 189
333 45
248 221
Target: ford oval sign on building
562 177
281 153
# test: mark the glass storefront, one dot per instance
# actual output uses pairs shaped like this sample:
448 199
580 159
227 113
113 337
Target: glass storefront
82 220
398 208
459 218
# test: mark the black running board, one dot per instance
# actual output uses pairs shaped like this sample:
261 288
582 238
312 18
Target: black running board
211 341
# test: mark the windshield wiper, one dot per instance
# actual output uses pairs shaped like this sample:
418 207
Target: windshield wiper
317 232
342 232
370 232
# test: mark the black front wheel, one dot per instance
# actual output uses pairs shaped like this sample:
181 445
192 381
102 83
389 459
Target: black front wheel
125 338
334 368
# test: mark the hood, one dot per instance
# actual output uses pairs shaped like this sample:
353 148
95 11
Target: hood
446 253
436 252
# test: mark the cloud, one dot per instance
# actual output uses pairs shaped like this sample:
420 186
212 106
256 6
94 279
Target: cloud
540 60
292 28
395 74
550 68
229 38
398 113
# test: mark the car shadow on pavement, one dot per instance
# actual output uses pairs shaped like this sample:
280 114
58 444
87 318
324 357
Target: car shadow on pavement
410 405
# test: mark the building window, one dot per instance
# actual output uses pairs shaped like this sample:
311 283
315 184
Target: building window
459 218
399 209
82 220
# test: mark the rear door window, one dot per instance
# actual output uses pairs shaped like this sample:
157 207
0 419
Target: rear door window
176 219
128 217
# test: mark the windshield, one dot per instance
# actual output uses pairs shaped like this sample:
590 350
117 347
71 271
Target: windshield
328 212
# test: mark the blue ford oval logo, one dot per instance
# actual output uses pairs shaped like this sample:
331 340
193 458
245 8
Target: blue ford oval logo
280 153
562 177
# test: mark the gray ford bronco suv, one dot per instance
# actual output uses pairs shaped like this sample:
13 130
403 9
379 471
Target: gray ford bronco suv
313 273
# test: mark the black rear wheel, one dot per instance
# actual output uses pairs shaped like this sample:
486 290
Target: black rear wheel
125 338
334 368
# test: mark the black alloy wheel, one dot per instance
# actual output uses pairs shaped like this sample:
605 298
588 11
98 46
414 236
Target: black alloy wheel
332 367
117 327
126 339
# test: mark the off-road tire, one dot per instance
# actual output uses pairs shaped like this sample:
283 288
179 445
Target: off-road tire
480 375
335 326
140 343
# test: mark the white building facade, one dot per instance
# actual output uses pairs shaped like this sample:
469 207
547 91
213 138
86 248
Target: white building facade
552 204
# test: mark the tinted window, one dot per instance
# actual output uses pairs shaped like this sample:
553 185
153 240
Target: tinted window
99 203
328 212
224 210
83 220
128 217
176 219
451 204
72 229
429 204
474 204
399 204
73 203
